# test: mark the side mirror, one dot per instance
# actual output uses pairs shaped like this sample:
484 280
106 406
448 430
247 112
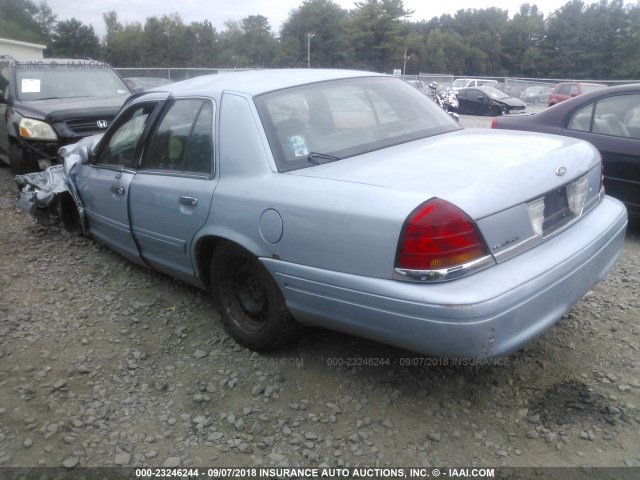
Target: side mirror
2 98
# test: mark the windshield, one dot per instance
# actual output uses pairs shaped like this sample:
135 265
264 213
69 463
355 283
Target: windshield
460 83
591 88
334 120
65 82
495 93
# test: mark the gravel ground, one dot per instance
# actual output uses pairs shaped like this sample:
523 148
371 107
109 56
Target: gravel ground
104 363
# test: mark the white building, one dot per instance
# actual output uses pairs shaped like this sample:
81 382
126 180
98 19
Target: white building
20 49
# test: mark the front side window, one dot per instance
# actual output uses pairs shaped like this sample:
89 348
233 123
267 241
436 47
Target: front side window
121 146
334 120
183 141
612 114
476 95
564 89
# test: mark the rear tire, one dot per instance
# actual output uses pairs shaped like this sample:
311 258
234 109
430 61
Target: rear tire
19 162
250 302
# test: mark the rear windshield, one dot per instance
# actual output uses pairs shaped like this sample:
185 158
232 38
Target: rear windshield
330 121
45 82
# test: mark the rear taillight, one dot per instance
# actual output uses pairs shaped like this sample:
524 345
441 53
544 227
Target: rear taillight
494 122
437 236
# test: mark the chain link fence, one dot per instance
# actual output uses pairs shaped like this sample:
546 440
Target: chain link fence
523 88
173 74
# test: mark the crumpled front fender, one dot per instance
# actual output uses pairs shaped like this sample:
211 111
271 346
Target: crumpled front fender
39 191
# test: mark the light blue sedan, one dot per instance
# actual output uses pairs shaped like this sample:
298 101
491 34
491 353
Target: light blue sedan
346 200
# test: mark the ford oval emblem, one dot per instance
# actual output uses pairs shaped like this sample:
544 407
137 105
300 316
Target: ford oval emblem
560 171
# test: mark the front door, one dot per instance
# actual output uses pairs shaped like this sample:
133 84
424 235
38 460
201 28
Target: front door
104 183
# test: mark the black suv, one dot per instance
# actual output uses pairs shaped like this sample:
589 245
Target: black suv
48 103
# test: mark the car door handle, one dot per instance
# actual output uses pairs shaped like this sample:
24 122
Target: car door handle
189 201
117 189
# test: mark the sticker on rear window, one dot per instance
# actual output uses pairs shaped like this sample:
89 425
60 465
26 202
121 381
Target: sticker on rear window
299 146
30 85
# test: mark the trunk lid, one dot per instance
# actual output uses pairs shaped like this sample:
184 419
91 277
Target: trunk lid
481 171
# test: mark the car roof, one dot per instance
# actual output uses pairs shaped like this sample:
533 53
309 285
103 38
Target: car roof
603 92
256 82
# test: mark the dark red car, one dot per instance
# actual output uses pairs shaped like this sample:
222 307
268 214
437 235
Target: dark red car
565 90
608 118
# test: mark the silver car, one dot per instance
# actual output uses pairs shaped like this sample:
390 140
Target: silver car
346 200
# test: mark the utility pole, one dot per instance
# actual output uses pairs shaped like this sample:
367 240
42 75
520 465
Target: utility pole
309 37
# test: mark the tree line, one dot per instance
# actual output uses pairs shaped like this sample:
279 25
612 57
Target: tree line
579 40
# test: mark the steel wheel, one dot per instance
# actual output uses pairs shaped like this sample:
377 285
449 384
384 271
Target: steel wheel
252 307
246 294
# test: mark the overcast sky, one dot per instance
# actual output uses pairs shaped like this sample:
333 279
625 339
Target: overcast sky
277 11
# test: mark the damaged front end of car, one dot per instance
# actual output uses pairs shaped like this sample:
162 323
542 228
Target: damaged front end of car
50 196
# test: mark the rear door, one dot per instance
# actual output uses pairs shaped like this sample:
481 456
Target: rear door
170 196
103 184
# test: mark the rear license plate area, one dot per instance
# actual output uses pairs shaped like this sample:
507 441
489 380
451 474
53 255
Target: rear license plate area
556 210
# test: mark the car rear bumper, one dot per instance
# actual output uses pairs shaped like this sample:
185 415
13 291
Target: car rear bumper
487 314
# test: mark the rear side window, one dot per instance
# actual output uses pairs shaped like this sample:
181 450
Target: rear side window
183 141
581 119
616 116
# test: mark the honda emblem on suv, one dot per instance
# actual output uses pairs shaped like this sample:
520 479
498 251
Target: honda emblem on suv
102 123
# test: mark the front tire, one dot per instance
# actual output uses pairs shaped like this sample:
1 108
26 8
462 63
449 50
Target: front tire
495 111
19 162
70 215
250 302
